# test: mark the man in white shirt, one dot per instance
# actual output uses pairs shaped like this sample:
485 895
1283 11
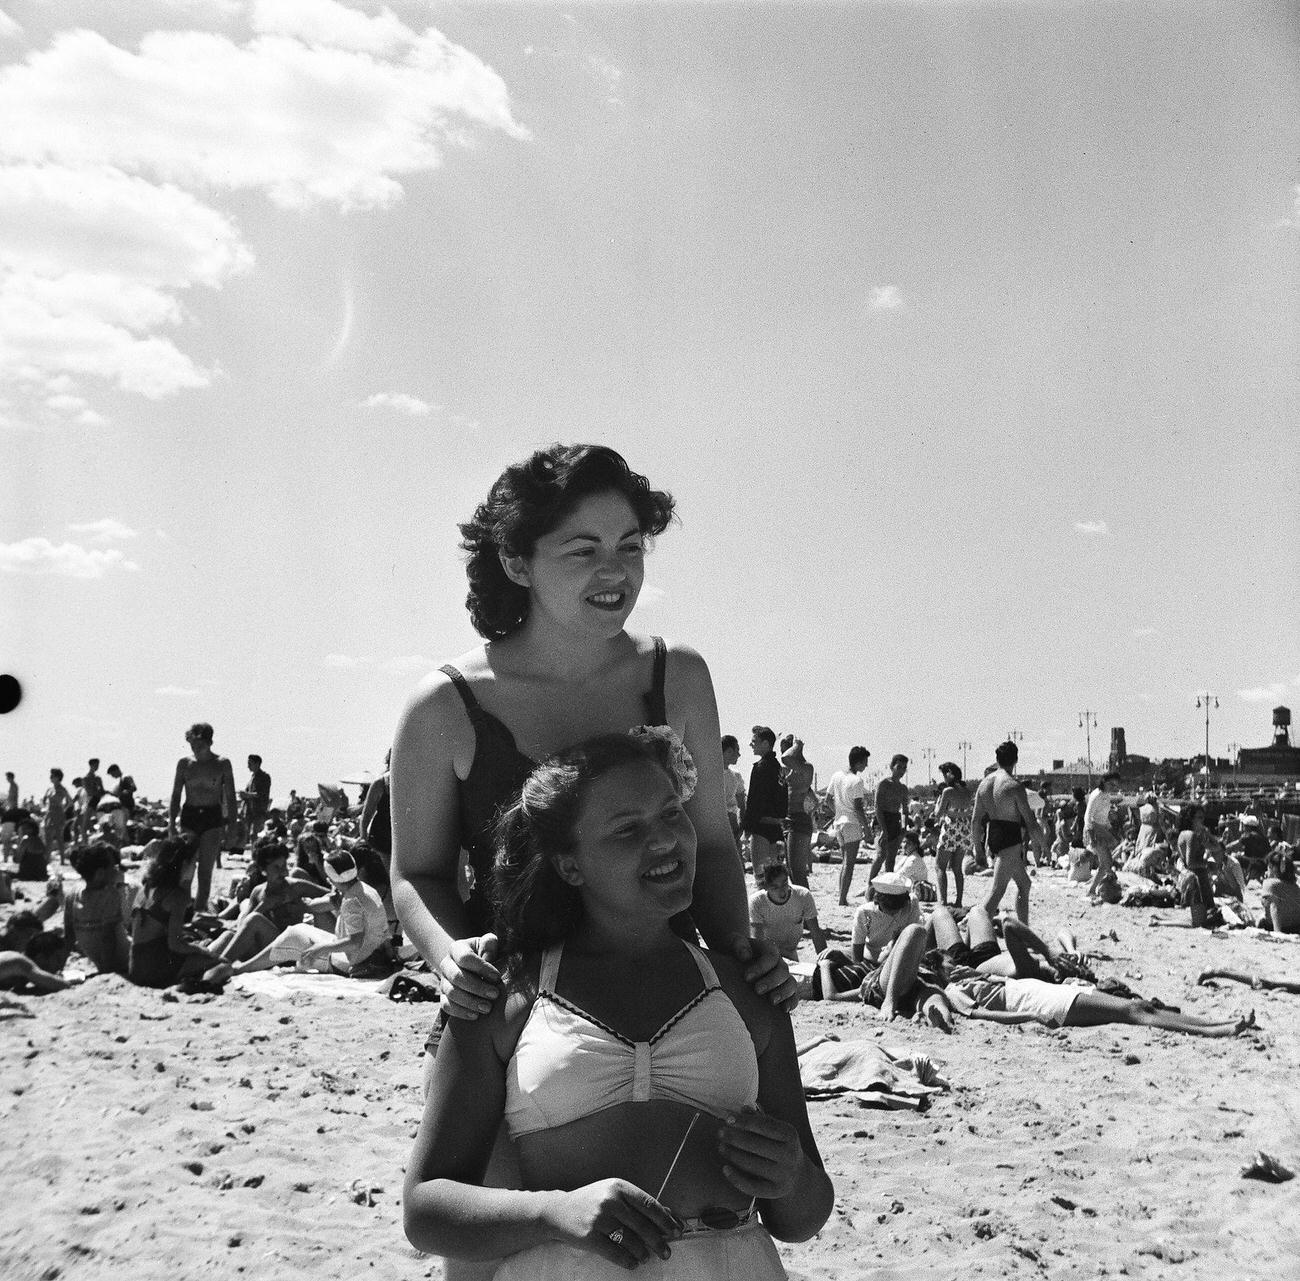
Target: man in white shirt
733 785
1098 838
848 793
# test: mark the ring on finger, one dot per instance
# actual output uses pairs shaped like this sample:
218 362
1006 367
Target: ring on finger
617 1236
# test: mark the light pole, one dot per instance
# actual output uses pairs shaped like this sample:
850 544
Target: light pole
963 747
1087 723
928 754
1203 700
1234 750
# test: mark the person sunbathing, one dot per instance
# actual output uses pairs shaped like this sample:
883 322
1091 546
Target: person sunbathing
361 931
274 905
998 999
653 1095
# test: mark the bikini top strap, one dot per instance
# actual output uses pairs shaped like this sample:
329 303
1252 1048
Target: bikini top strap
707 972
472 706
656 707
550 968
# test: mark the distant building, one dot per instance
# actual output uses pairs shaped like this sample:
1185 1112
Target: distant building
1281 759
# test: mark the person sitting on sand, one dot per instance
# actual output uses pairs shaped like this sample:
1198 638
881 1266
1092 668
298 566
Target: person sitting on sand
94 913
879 922
274 905
616 1044
900 987
162 954
360 931
781 912
33 861
1280 895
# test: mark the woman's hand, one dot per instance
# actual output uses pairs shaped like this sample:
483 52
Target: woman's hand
470 982
614 1219
762 1154
765 971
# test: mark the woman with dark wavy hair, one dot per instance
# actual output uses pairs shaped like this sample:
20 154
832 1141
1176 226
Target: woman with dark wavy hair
556 561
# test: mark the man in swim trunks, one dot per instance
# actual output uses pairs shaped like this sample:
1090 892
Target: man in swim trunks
206 781
57 805
998 822
891 807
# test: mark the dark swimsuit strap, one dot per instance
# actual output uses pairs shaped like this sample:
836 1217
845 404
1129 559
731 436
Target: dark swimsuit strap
472 705
656 706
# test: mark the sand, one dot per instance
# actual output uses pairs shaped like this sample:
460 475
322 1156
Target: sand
265 1137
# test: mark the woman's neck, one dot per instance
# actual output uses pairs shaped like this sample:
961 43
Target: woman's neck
624 938
542 649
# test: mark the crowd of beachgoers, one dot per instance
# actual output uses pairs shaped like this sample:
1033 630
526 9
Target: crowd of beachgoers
114 874
560 824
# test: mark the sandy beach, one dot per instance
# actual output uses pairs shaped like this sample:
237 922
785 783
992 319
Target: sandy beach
264 1135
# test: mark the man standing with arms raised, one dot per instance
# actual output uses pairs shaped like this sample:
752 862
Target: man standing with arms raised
766 801
999 820
207 784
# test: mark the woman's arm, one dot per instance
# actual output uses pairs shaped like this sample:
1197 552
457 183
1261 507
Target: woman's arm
424 800
720 907
176 940
771 1153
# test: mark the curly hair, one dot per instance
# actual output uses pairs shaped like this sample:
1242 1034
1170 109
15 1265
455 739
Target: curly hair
534 906
164 871
530 499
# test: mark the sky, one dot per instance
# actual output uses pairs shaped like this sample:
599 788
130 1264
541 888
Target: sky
964 334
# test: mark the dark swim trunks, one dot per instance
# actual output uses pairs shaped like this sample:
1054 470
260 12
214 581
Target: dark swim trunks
891 821
201 818
1002 835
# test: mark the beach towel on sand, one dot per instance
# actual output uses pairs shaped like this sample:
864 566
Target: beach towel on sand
878 1076
281 984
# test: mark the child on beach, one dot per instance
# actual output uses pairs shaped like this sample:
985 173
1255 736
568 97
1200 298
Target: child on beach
781 912
653 1095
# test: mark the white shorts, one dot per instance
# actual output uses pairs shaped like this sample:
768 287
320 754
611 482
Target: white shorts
743 1254
847 830
1049 1003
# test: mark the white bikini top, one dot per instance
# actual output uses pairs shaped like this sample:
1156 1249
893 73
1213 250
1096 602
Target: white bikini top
568 1065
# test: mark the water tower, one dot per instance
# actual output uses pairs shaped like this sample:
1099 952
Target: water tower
1281 727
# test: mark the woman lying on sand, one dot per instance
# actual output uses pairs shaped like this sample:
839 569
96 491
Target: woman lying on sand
653 1095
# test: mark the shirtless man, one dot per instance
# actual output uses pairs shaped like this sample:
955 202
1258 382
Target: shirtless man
207 783
57 806
999 819
891 807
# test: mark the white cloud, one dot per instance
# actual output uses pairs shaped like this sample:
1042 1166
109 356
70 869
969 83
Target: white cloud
110 159
1092 527
175 691
399 400
68 560
1265 693
1144 631
9 29
103 531
406 664
885 298
650 595
343 661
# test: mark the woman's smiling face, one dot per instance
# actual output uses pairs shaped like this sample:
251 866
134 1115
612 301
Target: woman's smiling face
587 572
634 846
